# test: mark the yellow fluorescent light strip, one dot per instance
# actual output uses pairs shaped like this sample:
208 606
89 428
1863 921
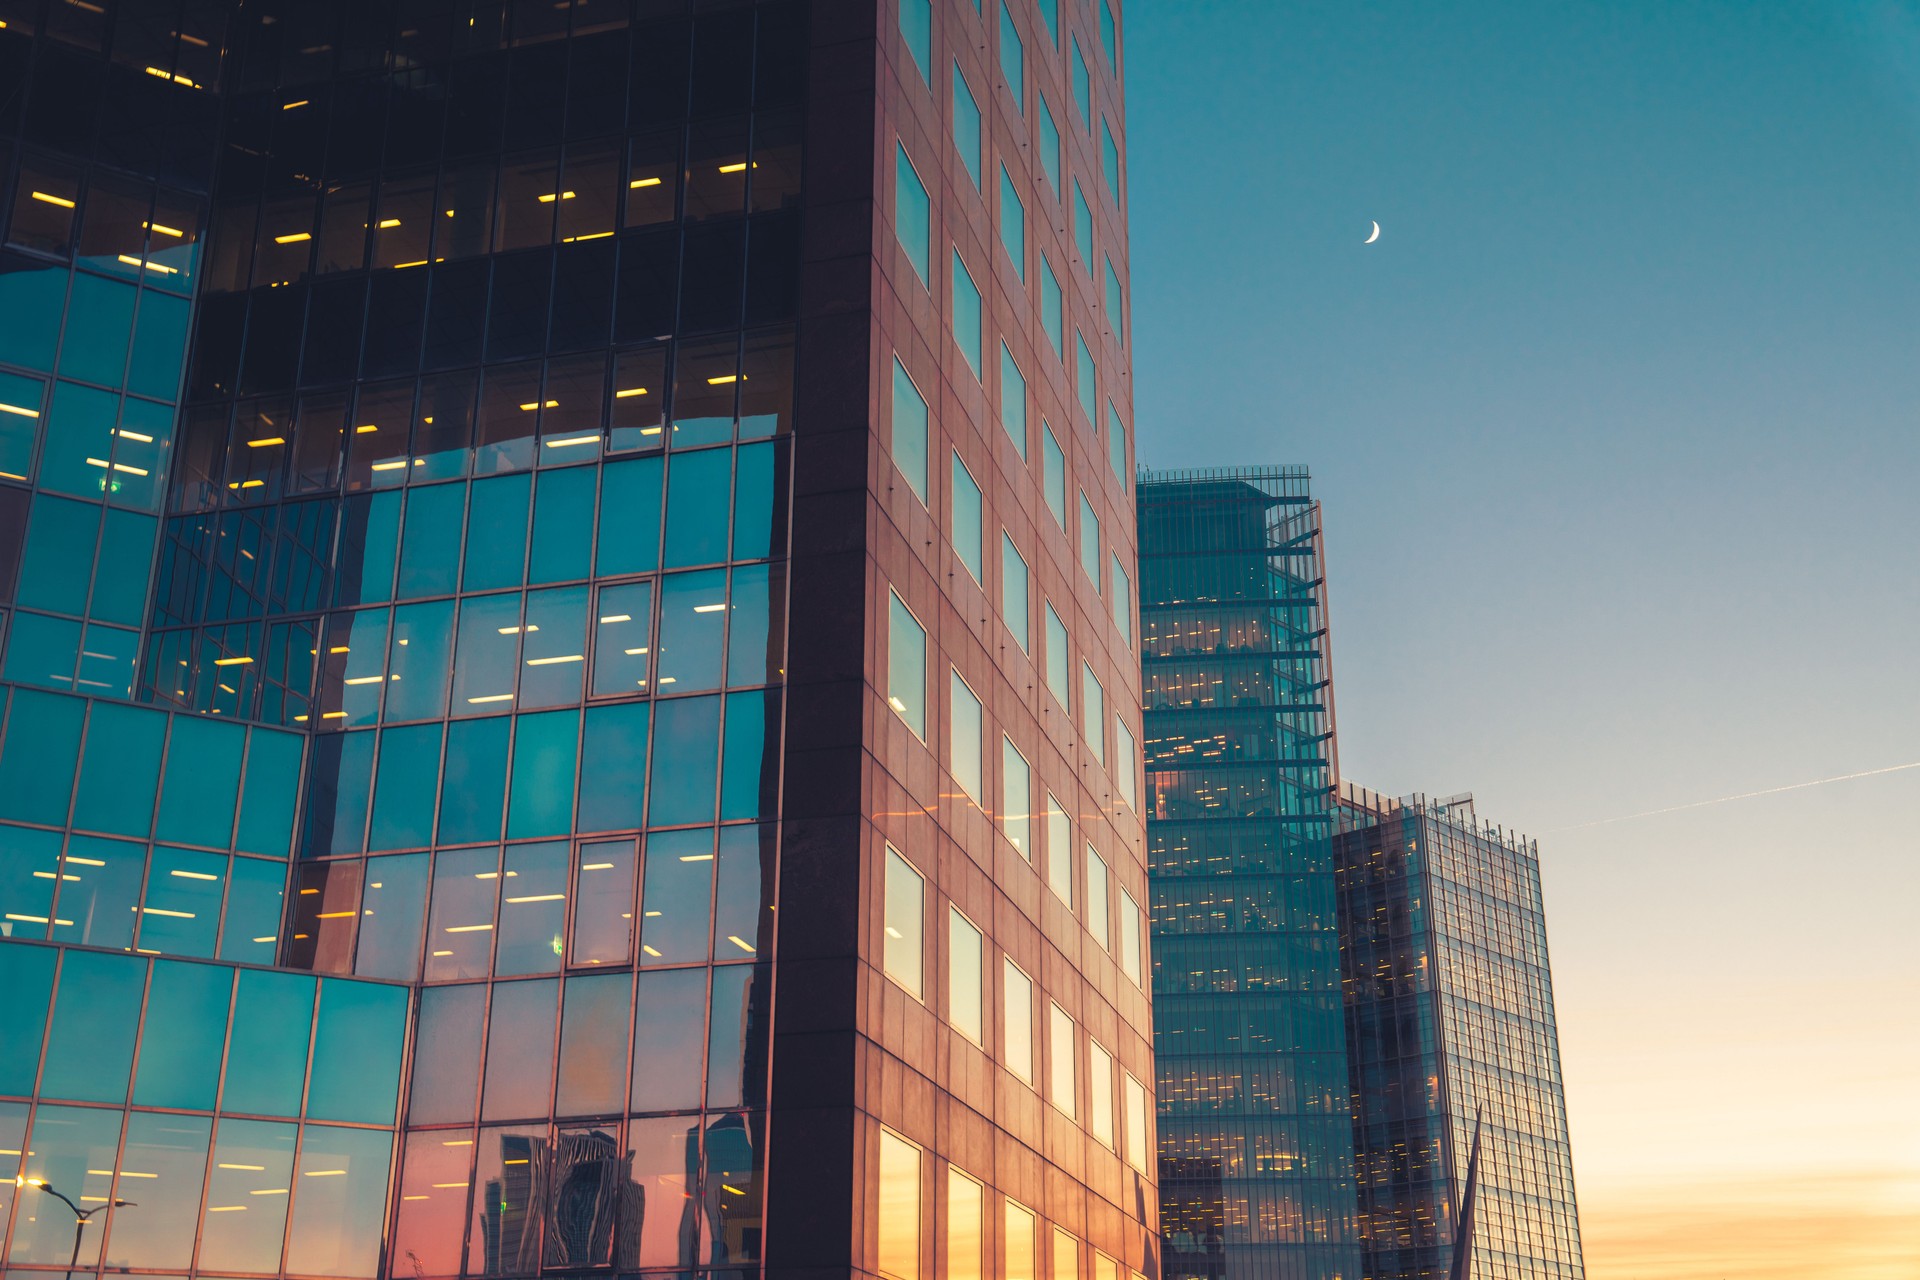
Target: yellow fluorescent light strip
629 393
163 229
569 441
194 875
708 608
132 261
117 466
551 404
270 440
616 617
596 866
45 198
541 897
141 436
19 410
741 167
296 237
547 662
550 198
637 183
387 224
722 380
231 662
492 697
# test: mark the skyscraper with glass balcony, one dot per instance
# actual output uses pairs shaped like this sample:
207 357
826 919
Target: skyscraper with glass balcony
569 673
1256 1143
1450 1022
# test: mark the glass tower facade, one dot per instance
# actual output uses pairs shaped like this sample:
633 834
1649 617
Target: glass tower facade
569 673
1256 1145
1450 1017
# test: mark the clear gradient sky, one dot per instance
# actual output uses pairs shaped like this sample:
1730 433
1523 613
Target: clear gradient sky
1617 429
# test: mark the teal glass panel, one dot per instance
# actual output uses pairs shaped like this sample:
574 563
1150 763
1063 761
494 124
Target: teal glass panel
1117 446
1109 37
99 322
420 660
473 784
32 296
756 636
1116 305
968 539
1049 145
593 1045
367 552
29 869
1013 224
126 558
966 314
446 1054
340 793
22 405
96 1013
1083 226
186 1031
38 757
553 647
1086 380
181 913
268 794
161 1171
99 889
1052 309
58 564
755 501
74 1149
201 787
1109 163
1013 58
732 1054
545 756
677 897
912 215
629 536
159 346
909 437
685 763
966 126
242 1230
78 452
256 903
41 650
139 462
106 660
693 613
405 788
533 909
340 1201
563 525
749 772
357 1044
743 892
669 1040
1050 14
267 1056
916 32
698 486
623 627
120 770
497 533
26 983
393 917
430 541
613 767
520 1036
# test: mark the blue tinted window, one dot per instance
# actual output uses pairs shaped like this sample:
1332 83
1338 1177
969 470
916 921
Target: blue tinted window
967 321
684 771
336 1231
58 563
80 426
622 639
1083 226
95 1015
669 1041
41 650
158 1229
392 917
497 533
1013 224
1013 401
267 1056
1110 161
563 525
421 657
120 584
72 1148
473 785
1052 309
159 346
629 538
545 750
1013 58
912 215
519 1074
749 771
1049 145
32 295
22 401
916 31
249 1156
107 657
430 541
1108 36
553 648
1116 305
1085 380
698 485
446 1059
533 908
1117 445
185 1033
966 126
733 1048
267 795
256 901
755 639
181 913
693 617
361 1031
1089 541
909 440
614 767
1014 591
1050 14
96 906
202 784
99 322
1082 87
967 535
29 869
403 789
676 899
26 982
756 500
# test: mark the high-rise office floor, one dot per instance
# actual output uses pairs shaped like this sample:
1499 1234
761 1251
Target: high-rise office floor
571 687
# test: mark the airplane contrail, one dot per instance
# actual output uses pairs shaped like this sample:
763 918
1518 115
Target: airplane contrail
1744 795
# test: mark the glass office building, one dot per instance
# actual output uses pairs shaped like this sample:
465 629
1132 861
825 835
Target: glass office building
1256 1146
1450 1018
569 671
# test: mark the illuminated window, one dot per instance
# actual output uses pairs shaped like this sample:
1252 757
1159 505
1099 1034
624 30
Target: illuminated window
966 967
1117 445
1097 897
1016 1041
1134 1096
1093 714
1100 1094
966 739
899 1229
907 666
903 925
1130 937
1089 540
1121 590
1016 798
1061 1090
1066 1256
966 1227
909 431
1125 767
1020 1243
1059 852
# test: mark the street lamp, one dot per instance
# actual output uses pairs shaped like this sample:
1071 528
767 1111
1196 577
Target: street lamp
80 1216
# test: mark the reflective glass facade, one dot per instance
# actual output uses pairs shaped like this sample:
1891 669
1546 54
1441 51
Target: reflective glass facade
449 546
1450 1015
1256 1147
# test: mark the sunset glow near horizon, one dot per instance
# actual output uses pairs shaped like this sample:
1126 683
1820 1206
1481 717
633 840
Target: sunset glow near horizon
1615 436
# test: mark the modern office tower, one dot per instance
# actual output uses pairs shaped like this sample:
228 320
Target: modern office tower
1450 1023
1256 1144
569 672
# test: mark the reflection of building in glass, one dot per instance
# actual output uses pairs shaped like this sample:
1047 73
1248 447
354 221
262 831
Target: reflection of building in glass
437 442
1450 1015
1256 1157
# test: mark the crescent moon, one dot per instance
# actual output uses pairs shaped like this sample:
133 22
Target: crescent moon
1375 236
